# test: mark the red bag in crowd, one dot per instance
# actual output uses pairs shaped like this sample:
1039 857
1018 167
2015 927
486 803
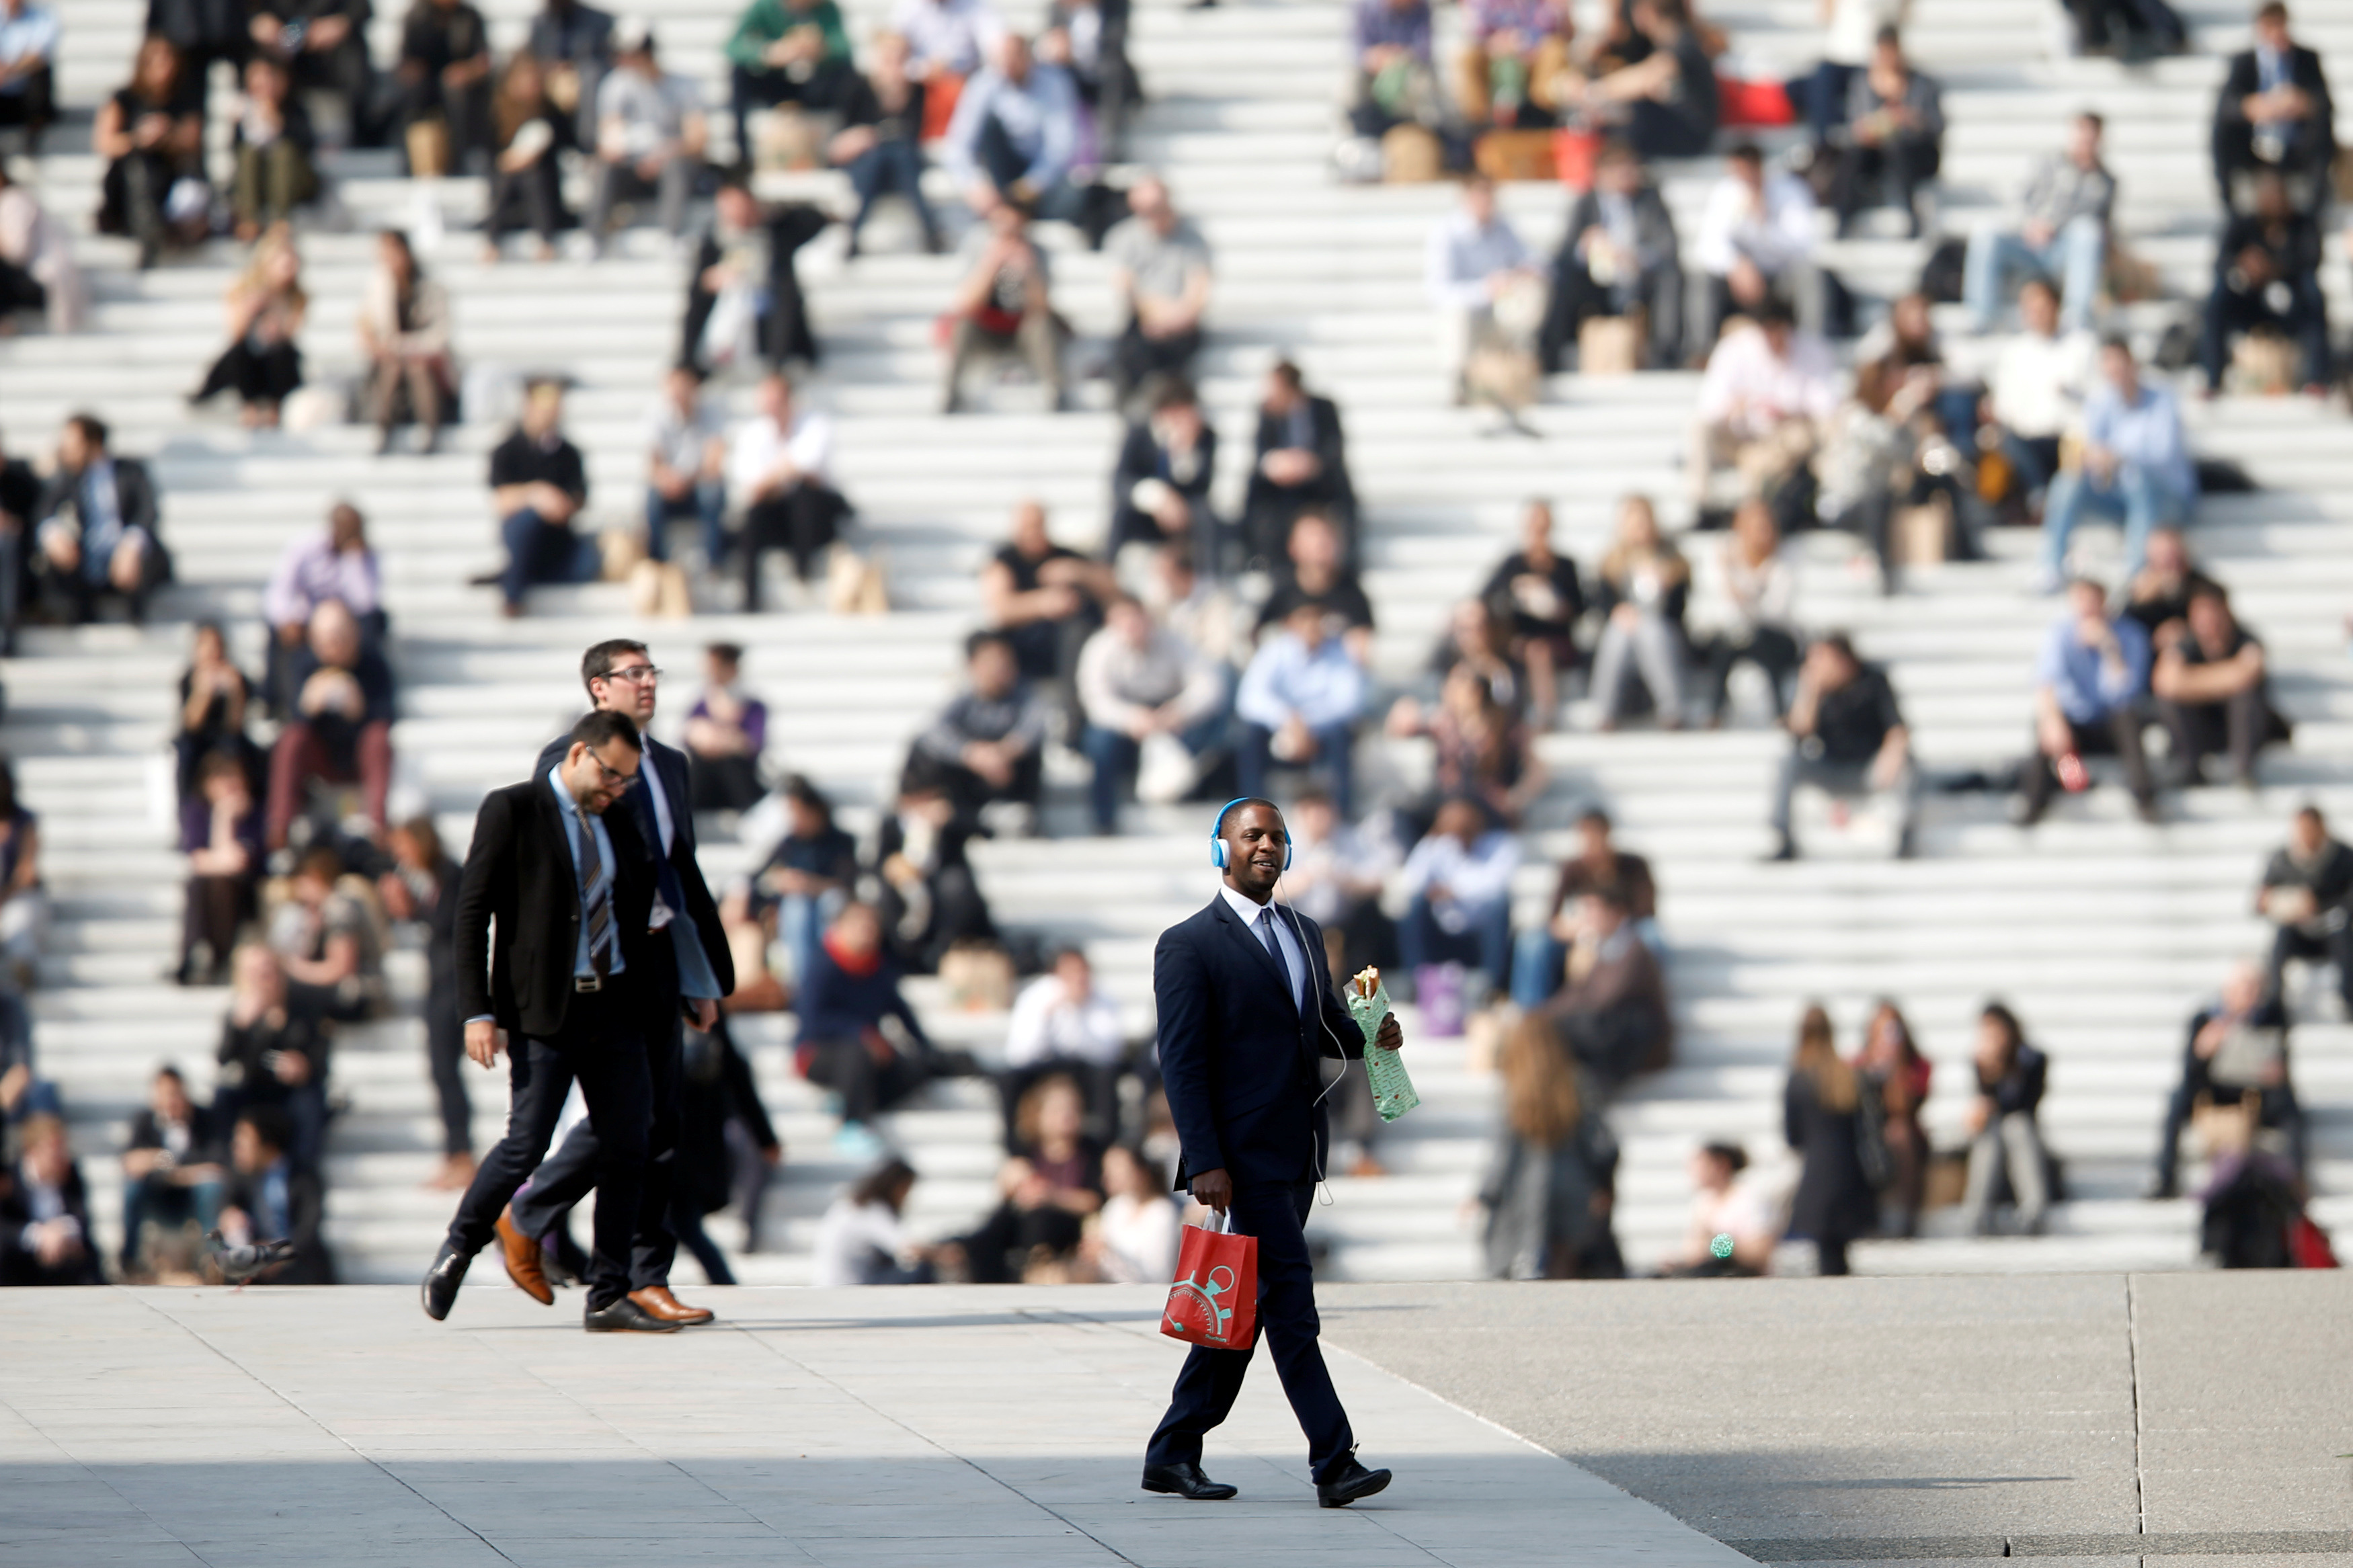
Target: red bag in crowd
1746 103
1573 154
1214 1301
2307 1244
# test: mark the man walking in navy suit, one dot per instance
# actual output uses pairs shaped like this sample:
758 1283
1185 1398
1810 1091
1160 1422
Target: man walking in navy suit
1247 1007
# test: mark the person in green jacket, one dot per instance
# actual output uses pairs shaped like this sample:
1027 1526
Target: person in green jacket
788 51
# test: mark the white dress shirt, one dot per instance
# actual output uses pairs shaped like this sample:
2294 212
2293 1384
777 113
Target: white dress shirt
1046 1025
760 446
1730 227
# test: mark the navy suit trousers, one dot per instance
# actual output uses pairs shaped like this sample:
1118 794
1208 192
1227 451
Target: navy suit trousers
1211 1379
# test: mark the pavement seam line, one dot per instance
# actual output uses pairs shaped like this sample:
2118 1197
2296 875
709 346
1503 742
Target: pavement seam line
33 1426
928 1439
353 1448
2132 1360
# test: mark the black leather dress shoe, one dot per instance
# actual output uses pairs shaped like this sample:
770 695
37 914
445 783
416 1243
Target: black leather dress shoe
625 1317
1186 1481
1354 1481
440 1290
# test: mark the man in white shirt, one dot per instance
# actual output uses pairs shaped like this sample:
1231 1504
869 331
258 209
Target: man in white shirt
686 465
1470 259
649 134
28 46
1160 273
1766 382
1299 702
945 38
1061 1024
1458 882
2038 384
781 467
1137 680
1757 238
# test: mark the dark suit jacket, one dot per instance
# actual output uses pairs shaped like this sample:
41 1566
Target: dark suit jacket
2245 78
134 493
520 872
1329 445
669 770
1654 227
1237 1057
19 1264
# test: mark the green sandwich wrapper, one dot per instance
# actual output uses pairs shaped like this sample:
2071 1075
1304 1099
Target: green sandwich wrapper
1393 1093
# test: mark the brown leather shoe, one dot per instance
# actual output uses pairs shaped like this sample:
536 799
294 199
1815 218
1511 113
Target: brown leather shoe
659 1302
522 1260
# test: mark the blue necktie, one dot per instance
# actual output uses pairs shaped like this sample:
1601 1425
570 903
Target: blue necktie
1275 950
665 883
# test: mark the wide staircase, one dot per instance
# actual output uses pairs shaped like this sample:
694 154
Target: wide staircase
2102 932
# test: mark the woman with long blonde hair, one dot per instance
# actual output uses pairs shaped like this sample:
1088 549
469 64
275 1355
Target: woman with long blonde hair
1640 590
265 307
1547 1189
1822 1118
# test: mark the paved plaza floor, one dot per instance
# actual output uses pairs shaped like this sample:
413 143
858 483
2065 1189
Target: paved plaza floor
956 1428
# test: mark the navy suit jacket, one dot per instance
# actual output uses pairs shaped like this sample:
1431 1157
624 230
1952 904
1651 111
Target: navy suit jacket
1238 1058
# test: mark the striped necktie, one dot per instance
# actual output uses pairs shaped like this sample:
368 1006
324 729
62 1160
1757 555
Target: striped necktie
598 890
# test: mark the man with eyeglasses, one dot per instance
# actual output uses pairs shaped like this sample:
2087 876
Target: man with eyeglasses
686 972
567 885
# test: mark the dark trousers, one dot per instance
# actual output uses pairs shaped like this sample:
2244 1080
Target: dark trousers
569 1173
19 289
1000 1251
2279 1110
2230 311
305 1106
217 906
1769 648
1335 758
529 197
1612 1044
1210 1380
971 792
2235 155
1486 944
35 108
445 1055
539 550
1825 93
601 1047
868 1086
802 522
886 167
2334 947
265 375
1576 299
723 784
2117 735
2237 728
1889 174
749 90
1269 510
1137 358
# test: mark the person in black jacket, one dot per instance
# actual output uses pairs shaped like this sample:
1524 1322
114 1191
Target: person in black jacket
2306 889
45 1231
751 250
422 887
687 970
271 1197
1160 487
1821 1118
1248 1007
2267 279
539 483
2237 1045
171 1173
1299 461
567 884
20 493
274 1051
1617 255
97 529
881 142
1535 596
445 74
2005 1138
2274 111
323 44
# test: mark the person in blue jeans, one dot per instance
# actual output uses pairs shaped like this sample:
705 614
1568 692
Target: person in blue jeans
1299 702
2063 234
1137 681
539 483
882 139
1459 878
2136 468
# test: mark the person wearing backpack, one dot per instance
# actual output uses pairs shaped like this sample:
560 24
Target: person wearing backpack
1838 1132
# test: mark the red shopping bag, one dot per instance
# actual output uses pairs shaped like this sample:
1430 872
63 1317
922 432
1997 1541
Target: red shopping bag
1214 1301
1574 152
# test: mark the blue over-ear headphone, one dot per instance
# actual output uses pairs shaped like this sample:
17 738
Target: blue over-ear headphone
1218 828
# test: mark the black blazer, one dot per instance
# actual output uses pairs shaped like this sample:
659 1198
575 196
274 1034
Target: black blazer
669 770
520 872
1329 445
2245 78
1654 227
134 493
1237 1059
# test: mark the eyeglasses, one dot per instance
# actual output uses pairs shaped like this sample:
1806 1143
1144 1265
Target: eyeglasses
614 779
635 673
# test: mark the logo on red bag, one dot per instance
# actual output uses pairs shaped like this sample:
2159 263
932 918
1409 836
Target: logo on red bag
1197 1299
